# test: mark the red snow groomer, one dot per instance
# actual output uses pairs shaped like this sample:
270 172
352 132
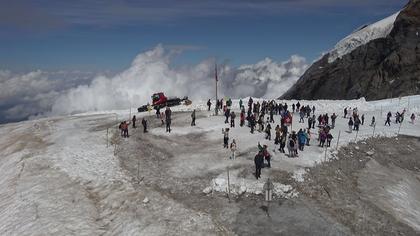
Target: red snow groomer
159 100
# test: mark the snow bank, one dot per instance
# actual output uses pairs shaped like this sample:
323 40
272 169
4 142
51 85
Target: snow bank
239 186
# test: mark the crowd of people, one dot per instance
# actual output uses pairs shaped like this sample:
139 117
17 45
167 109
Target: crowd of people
261 116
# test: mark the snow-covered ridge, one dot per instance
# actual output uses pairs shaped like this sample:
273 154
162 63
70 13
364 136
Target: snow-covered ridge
380 29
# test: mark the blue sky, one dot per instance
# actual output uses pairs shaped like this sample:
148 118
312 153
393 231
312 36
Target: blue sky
106 35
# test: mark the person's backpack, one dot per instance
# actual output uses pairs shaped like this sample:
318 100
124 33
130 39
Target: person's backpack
291 143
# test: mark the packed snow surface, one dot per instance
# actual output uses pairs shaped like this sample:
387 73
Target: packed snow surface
380 29
59 176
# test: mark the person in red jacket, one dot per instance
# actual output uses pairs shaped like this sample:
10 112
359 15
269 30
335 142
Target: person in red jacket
242 118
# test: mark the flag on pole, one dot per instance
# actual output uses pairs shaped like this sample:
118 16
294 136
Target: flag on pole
215 73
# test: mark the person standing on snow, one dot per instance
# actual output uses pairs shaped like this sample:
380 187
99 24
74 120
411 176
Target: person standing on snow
313 121
351 125
242 118
329 138
268 132
388 119
125 129
373 122
278 133
412 117
259 162
345 112
301 139
252 123
282 143
333 118
162 122
363 119
227 114
144 123
232 119
356 123
158 112
120 127
233 149
225 133
309 122
168 119
313 110
291 146
322 138
134 122
272 115
240 104
308 136
209 104
267 156
302 115
193 118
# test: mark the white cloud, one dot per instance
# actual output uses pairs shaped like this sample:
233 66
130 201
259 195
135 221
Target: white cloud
40 92
24 95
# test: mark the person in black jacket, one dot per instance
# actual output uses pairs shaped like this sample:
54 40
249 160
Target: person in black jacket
259 161
144 123
193 118
134 121
168 114
232 119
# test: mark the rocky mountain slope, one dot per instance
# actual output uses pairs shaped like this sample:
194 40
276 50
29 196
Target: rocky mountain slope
378 61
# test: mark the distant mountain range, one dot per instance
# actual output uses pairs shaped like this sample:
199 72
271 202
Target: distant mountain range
378 61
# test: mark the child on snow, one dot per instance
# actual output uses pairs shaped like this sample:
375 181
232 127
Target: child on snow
329 138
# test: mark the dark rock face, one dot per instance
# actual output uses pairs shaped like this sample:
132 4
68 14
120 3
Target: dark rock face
383 68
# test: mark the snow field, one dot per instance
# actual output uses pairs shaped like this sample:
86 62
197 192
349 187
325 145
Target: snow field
58 177
247 143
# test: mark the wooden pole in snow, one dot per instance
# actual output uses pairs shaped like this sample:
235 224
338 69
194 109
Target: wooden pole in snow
408 106
325 156
374 127
138 170
399 128
357 132
217 79
228 183
338 139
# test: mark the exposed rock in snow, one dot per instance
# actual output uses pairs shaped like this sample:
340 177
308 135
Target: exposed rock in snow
298 175
207 190
239 186
370 153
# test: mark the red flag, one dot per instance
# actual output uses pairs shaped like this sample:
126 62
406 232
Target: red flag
215 73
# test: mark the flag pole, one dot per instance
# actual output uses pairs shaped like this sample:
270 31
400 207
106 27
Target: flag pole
215 76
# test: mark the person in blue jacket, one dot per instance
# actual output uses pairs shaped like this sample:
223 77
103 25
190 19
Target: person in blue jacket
301 139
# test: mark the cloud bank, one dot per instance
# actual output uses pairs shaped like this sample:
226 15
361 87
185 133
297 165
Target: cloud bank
43 93
24 95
